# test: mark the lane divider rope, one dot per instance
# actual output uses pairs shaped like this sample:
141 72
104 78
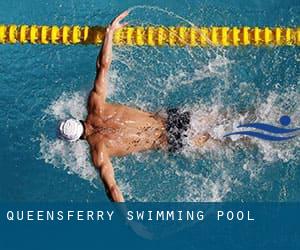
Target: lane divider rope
152 35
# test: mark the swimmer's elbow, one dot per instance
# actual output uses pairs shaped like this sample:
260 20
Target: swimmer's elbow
99 163
115 194
105 63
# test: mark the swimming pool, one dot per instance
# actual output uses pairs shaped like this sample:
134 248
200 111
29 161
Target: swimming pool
42 84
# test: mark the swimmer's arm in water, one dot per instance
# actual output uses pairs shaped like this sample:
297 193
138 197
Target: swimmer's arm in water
103 164
105 56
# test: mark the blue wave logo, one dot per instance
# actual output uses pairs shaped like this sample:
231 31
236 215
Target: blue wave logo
279 133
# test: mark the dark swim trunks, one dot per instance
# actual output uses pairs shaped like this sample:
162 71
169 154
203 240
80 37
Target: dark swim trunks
177 125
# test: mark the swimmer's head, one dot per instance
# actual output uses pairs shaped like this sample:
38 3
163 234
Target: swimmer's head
70 130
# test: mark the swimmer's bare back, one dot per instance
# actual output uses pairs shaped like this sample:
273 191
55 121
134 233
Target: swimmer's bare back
123 130
113 129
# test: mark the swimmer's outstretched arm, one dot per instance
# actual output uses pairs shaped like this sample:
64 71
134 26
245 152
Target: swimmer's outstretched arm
105 56
103 164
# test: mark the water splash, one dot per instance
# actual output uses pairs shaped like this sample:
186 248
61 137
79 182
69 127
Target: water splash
74 158
192 185
214 84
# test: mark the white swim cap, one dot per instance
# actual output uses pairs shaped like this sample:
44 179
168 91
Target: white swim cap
70 130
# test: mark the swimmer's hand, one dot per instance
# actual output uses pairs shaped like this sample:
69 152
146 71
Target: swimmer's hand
115 24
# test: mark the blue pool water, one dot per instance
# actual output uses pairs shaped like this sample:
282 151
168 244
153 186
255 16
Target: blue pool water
42 84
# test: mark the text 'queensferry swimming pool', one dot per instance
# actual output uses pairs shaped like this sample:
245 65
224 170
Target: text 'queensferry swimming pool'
130 215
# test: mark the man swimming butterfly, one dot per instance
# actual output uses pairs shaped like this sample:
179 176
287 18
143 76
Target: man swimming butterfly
117 130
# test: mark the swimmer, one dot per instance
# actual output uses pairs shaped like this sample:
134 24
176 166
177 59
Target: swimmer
114 130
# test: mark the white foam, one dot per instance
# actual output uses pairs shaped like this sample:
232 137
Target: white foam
174 182
271 110
68 105
211 188
72 157
214 118
216 121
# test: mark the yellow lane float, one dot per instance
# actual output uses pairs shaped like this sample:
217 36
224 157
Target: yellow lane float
152 35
